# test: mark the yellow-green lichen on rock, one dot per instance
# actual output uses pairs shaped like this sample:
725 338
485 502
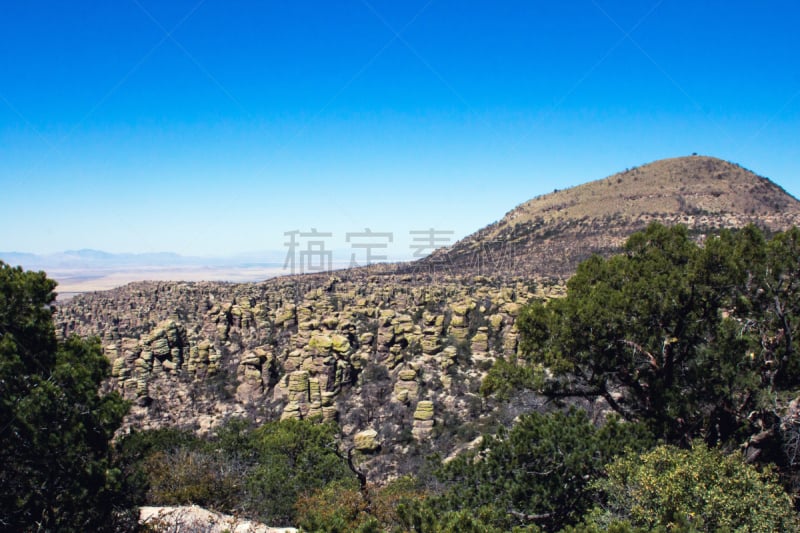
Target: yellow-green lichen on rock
462 308
424 410
480 341
496 321
366 441
340 344
320 342
407 374
298 382
292 410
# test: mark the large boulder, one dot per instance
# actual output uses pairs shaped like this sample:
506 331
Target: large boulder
366 441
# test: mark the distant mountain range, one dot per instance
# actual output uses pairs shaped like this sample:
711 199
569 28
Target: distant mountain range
100 260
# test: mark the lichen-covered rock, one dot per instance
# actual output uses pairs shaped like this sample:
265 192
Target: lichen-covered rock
327 398
292 410
118 368
407 374
430 342
340 344
496 321
459 333
366 441
480 341
424 410
284 315
251 359
330 322
512 308
405 391
386 316
329 413
462 308
363 346
447 357
320 342
160 347
298 382
422 429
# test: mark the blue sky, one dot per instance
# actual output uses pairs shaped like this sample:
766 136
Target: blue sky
211 127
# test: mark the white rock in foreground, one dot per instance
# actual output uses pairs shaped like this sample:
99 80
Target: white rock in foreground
196 519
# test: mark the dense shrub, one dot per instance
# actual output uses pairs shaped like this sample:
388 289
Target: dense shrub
540 471
701 489
259 473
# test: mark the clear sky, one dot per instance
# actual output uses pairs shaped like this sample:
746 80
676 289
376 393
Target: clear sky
211 127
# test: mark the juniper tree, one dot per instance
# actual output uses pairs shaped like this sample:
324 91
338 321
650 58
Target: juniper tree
696 341
55 430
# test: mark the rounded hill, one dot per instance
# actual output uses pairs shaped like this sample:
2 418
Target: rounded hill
549 235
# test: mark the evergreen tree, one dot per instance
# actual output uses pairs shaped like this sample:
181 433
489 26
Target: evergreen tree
55 467
539 472
695 341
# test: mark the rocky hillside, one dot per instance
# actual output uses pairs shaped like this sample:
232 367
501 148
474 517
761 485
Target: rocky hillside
394 353
551 234
396 360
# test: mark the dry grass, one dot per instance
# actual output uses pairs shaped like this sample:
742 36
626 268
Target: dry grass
687 185
549 235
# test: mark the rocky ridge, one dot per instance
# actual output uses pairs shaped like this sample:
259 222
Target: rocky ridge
397 360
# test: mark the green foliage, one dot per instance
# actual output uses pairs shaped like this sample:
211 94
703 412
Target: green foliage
175 467
384 501
620 526
257 473
136 447
539 472
339 507
55 465
507 376
694 341
292 457
197 476
699 489
419 517
336 508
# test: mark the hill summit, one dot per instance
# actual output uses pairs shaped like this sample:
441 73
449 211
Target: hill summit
549 235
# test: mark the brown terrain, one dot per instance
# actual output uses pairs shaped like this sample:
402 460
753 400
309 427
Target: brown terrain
551 234
395 354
